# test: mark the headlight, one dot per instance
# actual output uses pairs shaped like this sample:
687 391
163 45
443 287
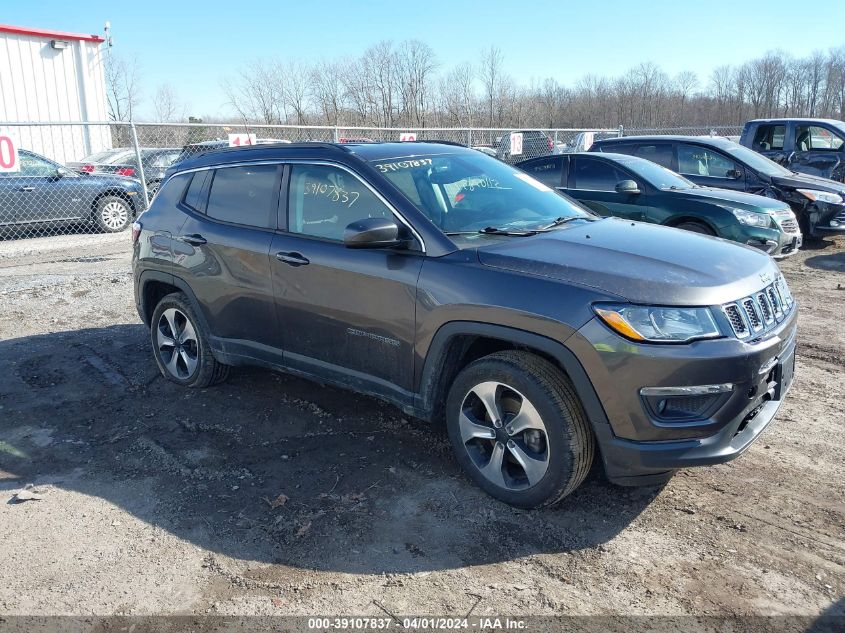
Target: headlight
751 218
658 324
820 196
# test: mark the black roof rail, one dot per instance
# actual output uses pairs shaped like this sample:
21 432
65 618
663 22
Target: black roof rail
297 145
440 142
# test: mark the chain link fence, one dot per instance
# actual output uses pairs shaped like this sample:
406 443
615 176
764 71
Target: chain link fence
97 177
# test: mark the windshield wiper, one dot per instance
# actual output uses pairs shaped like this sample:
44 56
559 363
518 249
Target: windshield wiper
561 221
493 230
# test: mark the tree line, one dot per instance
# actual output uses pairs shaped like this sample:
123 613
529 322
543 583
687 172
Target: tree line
404 84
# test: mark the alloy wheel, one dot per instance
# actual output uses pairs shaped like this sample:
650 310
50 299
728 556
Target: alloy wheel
504 436
114 215
177 344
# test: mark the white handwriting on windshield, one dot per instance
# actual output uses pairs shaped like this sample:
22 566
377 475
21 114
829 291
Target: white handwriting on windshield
403 164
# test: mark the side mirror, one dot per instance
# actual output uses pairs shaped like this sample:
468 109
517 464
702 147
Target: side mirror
627 186
372 233
734 174
62 172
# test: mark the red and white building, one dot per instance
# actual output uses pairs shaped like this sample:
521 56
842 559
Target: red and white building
51 77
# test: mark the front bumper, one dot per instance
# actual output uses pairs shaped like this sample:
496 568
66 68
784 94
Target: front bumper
639 449
826 217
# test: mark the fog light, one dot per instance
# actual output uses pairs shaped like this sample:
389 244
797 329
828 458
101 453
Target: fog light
685 404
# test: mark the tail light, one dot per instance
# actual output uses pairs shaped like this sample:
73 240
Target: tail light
88 169
136 231
125 171
551 145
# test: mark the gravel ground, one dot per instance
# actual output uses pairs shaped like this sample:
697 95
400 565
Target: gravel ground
272 495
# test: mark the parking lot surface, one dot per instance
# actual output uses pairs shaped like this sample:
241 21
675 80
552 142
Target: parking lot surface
273 495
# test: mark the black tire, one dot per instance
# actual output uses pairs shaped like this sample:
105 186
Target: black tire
207 370
570 444
112 214
695 227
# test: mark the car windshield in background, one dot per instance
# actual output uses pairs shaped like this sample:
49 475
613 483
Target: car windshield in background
472 193
657 175
756 161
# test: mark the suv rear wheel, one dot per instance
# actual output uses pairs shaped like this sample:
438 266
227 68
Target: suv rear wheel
180 344
518 429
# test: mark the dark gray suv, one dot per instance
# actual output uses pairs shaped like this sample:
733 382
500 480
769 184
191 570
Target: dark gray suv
457 287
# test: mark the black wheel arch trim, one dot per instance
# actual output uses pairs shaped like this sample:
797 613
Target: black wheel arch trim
441 344
156 275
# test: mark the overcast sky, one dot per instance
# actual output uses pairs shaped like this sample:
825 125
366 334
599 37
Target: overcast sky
195 45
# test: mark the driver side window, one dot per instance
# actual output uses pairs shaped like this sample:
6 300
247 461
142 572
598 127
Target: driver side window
698 161
323 200
596 175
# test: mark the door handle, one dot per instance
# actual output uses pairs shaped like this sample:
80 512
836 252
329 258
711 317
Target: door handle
26 188
193 240
293 258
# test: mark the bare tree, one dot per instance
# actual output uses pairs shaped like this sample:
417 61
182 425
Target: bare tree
327 90
491 78
166 105
258 94
416 66
296 91
122 87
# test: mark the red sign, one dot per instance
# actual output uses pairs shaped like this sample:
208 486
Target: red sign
8 154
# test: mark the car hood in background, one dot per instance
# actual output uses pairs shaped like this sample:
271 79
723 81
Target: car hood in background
644 263
806 181
733 198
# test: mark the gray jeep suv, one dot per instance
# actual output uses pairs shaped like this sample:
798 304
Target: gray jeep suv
461 289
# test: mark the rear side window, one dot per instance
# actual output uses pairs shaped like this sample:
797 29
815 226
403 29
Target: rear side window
171 193
660 153
768 137
193 197
245 195
618 148
546 171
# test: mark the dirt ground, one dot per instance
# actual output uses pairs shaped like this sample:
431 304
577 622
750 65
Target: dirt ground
272 495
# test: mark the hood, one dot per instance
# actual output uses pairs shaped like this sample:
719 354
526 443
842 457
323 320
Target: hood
806 181
734 198
644 263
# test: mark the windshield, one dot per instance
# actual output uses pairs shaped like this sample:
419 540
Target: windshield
657 175
756 161
468 193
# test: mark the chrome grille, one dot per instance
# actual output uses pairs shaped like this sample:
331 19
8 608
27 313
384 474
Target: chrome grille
757 313
765 307
775 299
789 226
750 307
737 322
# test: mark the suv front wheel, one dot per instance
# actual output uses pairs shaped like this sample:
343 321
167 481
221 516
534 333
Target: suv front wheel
180 344
518 429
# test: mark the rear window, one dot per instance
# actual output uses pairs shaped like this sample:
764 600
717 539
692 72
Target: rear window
193 197
171 192
769 137
245 195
